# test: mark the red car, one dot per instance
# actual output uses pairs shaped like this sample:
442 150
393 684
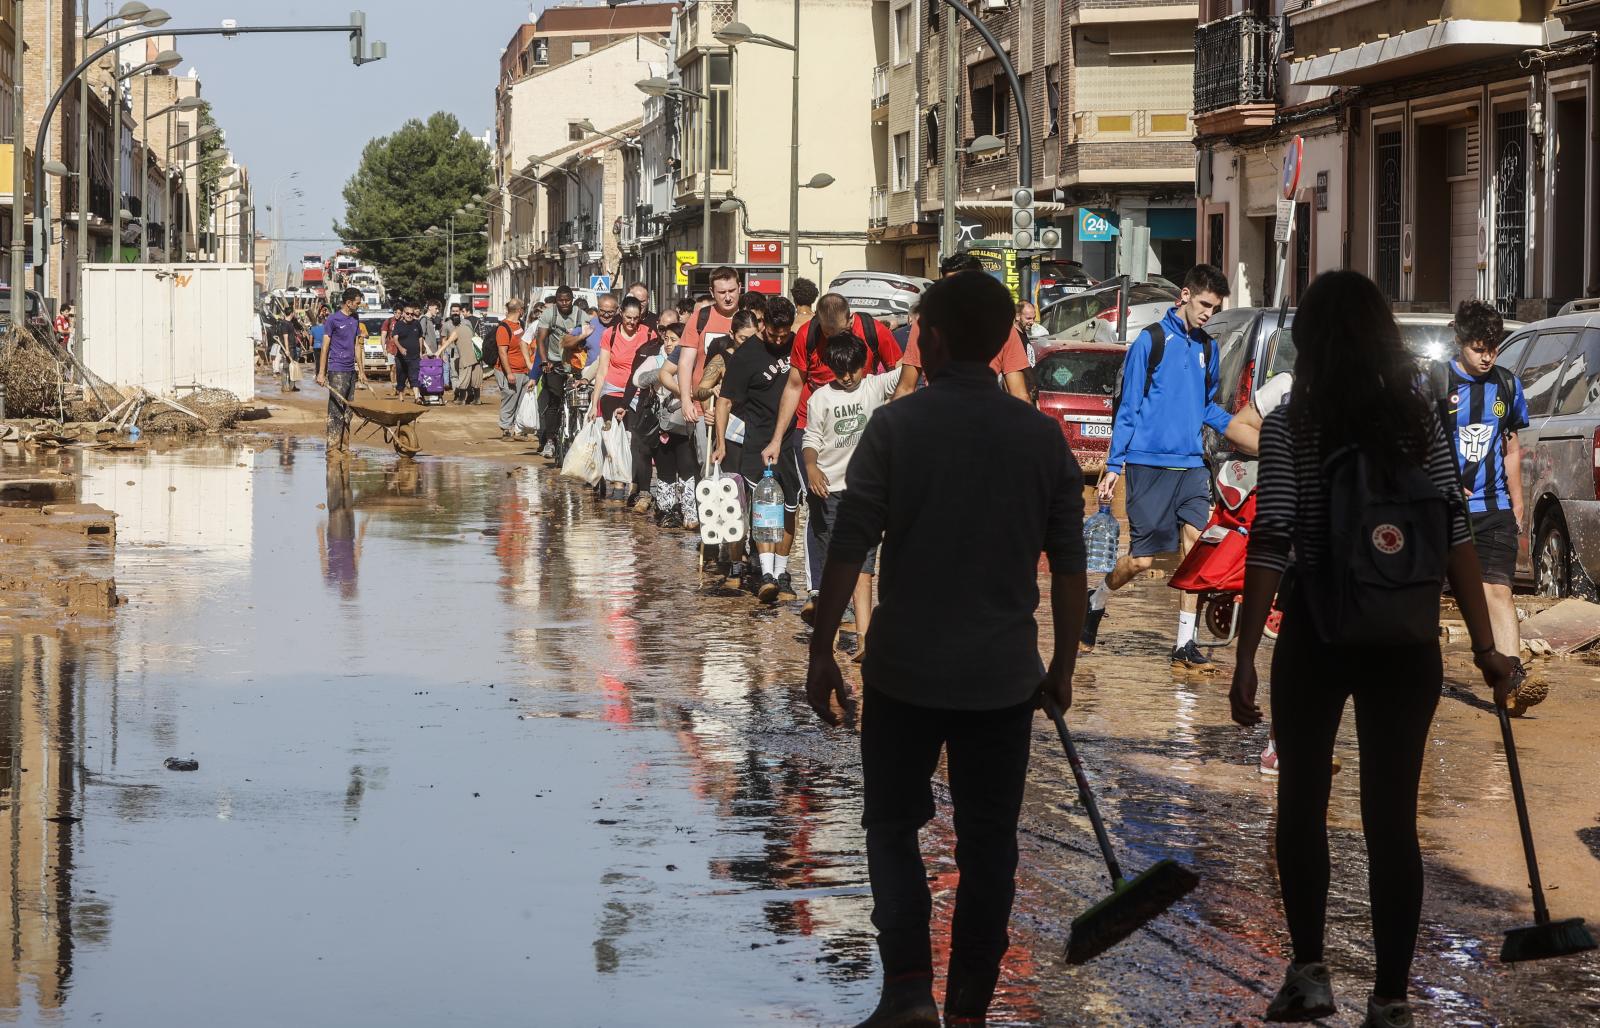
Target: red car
1076 381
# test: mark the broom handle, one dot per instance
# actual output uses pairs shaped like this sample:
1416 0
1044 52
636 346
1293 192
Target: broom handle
1086 794
1540 914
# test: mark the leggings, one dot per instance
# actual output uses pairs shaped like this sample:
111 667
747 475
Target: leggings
1396 689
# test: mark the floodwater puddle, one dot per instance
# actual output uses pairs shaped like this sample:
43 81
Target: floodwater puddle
474 752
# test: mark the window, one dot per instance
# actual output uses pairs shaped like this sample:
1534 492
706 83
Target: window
575 133
902 36
1089 372
719 68
580 48
1052 90
1541 374
1002 106
1582 380
982 111
1511 353
932 133
541 51
902 161
721 110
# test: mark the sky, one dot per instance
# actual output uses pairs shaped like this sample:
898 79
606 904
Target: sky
296 103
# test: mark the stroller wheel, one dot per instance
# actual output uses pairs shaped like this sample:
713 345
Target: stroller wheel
1219 612
1274 622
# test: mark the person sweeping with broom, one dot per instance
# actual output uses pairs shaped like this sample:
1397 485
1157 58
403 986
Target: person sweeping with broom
960 675
1358 479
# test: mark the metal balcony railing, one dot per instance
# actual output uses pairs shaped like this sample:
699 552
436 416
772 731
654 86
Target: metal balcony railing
1235 63
878 208
880 86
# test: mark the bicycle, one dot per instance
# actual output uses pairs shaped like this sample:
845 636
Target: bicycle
577 396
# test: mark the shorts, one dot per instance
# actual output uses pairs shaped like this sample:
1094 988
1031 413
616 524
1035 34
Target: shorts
824 512
1159 500
1494 536
786 471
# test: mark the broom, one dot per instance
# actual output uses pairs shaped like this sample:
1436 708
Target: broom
1545 938
1131 903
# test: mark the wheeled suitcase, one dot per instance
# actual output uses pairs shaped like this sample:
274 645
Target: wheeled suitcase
430 379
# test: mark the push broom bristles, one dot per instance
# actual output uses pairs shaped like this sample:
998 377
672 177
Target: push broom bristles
1129 907
1550 939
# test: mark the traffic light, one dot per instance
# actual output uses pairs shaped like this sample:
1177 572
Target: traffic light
1049 237
1022 220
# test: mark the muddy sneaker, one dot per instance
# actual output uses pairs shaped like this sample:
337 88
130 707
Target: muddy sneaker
735 576
768 593
1525 691
549 451
642 505
1387 1015
1307 995
808 613
1189 657
1091 628
785 586
1268 765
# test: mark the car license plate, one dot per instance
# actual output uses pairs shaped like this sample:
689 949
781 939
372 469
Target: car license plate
1092 431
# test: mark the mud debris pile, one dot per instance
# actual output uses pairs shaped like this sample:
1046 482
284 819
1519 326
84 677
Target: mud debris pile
56 559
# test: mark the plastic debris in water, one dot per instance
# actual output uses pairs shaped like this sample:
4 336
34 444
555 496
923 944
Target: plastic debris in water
181 764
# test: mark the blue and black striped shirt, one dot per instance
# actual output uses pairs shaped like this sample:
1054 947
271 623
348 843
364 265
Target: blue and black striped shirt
1480 417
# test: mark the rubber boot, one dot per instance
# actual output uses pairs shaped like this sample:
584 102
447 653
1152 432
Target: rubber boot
907 1002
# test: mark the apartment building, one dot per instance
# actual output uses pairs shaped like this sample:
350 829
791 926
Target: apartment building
1448 150
8 135
1108 86
749 105
575 235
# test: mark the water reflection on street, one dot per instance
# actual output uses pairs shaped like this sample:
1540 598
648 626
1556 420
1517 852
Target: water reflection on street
472 752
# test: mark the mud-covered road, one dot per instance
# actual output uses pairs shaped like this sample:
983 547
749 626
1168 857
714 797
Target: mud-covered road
473 751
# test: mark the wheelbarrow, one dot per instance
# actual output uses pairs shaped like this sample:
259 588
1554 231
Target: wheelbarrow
393 416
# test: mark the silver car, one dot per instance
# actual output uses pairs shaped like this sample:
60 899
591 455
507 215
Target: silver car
1091 316
879 293
1558 361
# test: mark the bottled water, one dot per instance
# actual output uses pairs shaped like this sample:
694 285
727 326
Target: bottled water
1100 534
766 512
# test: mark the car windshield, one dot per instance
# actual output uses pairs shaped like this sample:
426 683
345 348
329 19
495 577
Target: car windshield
1083 372
1428 341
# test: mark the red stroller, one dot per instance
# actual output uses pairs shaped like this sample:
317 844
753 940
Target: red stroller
1214 568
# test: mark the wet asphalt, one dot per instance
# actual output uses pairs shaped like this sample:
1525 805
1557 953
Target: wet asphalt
473 750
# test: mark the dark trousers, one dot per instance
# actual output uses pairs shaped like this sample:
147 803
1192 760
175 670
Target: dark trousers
645 446
1396 689
405 372
988 763
552 406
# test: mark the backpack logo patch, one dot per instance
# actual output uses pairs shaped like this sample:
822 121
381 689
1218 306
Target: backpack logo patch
1388 539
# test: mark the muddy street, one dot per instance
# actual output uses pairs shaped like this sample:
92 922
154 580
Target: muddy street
473 751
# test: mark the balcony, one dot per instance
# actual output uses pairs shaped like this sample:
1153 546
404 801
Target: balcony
1368 42
880 92
878 208
1235 73
697 25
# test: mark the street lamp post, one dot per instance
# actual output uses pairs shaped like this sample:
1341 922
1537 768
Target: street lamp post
359 53
738 32
657 86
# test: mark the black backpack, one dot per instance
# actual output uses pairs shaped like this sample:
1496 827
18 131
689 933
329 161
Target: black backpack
1158 350
869 333
1388 545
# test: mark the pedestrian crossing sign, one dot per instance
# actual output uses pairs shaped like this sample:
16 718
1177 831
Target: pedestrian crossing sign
601 283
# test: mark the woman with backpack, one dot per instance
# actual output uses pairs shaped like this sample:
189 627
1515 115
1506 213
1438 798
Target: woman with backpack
1357 478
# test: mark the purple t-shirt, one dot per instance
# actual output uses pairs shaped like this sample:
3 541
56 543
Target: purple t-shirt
342 330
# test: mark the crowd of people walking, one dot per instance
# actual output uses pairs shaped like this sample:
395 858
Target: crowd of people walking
911 441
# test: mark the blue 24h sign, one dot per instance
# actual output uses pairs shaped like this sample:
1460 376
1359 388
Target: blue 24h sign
1094 227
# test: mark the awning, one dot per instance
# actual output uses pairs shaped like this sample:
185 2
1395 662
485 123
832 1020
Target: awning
1171 222
1445 45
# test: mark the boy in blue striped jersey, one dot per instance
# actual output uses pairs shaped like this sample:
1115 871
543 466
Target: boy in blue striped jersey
1482 408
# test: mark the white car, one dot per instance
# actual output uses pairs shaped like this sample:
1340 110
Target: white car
1091 316
879 293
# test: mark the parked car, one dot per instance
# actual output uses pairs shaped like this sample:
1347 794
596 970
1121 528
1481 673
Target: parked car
1092 315
374 358
37 312
1060 278
880 294
1558 361
1076 382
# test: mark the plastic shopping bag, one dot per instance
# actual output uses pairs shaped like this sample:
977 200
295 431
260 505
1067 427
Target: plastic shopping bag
585 456
618 462
527 418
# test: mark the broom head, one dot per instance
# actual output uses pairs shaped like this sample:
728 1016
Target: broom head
1130 905
1542 941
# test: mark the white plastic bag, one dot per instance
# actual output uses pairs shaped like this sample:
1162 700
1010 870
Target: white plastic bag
584 457
527 418
618 463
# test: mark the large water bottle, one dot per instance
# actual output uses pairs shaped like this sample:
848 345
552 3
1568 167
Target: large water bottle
1100 534
766 513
